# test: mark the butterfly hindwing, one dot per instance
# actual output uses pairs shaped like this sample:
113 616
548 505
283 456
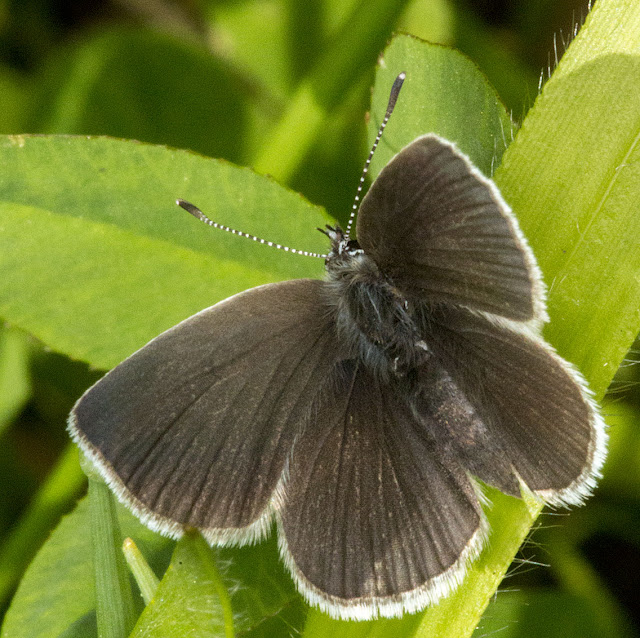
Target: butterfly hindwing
440 230
457 427
535 419
374 521
196 427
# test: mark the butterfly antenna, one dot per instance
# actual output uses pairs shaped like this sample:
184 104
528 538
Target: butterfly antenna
393 98
196 212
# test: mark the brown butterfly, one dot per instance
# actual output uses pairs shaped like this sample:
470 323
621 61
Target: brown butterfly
358 412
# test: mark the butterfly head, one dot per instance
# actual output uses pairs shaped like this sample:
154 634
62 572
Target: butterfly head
343 250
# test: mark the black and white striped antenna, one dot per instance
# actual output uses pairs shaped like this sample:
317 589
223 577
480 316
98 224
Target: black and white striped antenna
196 212
393 98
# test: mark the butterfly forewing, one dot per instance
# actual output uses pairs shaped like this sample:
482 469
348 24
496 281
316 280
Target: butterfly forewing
440 230
374 520
196 427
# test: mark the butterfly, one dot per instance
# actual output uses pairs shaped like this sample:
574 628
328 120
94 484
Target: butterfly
360 412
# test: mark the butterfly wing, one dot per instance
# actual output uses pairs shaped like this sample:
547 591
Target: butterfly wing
391 526
196 427
438 228
510 407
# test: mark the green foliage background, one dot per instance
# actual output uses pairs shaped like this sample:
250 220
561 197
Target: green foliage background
95 259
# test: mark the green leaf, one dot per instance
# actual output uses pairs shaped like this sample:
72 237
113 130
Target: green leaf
573 178
57 591
547 614
62 486
361 36
513 76
13 103
15 386
622 468
98 220
318 625
191 598
115 608
84 627
254 36
264 598
145 577
58 586
432 21
444 93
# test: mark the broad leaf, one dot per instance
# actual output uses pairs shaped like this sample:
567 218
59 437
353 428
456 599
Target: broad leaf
97 258
191 598
444 93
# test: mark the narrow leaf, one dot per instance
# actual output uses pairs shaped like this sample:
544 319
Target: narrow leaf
62 485
145 578
361 36
114 600
573 178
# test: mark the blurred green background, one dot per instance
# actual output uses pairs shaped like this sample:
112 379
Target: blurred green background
216 77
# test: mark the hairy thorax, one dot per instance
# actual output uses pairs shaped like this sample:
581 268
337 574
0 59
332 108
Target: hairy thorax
372 316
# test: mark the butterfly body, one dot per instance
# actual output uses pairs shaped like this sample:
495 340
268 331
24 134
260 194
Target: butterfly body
374 320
